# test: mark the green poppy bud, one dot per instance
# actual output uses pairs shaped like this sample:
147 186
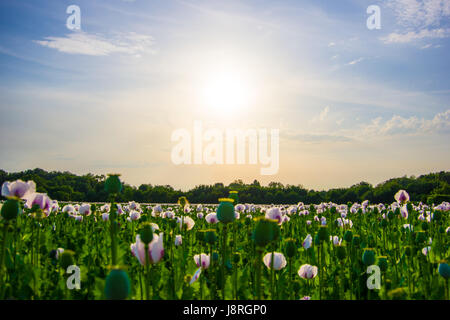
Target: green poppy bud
210 236
225 211
66 259
421 236
356 241
441 229
368 257
117 286
341 252
113 184
291 248
265 231
146 233
10 209
383 223
444 270
333 210
382 263
348 235
234 195
236 257
323 233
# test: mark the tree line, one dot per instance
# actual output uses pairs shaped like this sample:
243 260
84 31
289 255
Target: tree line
66 186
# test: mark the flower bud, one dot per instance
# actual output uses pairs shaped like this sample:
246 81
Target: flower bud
236 257
210 236
225 211
368 257
146 233
234 195
383 223
341 252
10 209
382 263
356 241
391 215
348 235
265 231
66 259
117 285
444 270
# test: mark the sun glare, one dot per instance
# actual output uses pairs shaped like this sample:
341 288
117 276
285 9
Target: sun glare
226 91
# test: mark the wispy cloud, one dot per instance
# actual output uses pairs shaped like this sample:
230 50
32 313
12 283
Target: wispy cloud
322 116
440 123
416 35
355 61
98 45
420 19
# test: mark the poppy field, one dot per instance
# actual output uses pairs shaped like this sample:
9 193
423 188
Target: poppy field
228 250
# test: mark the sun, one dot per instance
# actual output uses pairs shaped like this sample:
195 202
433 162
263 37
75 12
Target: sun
226 91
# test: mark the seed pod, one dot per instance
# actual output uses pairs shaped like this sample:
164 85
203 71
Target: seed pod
210 236
10 209
66 259
146 233
382 263
444 270
341 252
348 235
356 241
117 285
265 232
225 211
234 195
368 257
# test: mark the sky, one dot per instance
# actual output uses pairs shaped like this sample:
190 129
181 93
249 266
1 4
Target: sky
351 103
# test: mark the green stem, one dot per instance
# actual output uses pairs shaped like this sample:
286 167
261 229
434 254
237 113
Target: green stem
2 256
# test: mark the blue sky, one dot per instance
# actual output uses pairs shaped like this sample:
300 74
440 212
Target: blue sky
351 104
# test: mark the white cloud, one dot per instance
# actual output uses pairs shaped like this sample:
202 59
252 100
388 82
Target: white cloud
355 61
97 45
416 35
420 19
440 123
331 44
323 114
